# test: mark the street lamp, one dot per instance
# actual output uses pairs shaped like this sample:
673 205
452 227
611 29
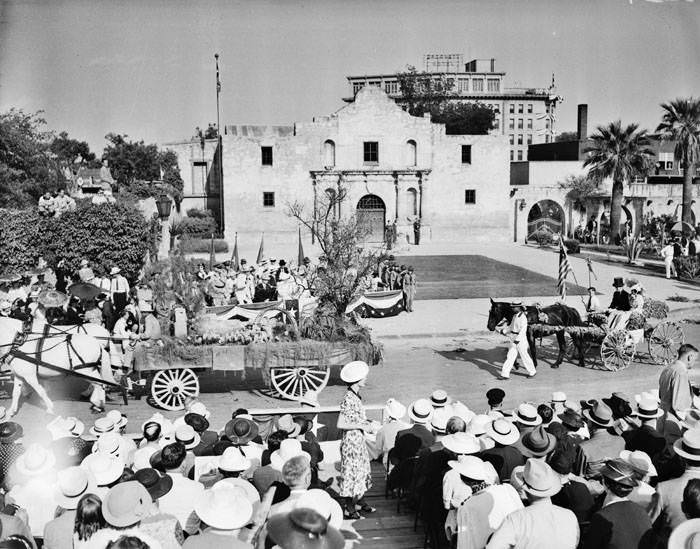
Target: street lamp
164 205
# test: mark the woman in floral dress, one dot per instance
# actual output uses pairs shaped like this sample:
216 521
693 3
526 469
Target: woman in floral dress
355 472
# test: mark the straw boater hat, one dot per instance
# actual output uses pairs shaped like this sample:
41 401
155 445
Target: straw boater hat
310 398
246 489
241 430
461 443
688 447
439 399
126 504
103 467
394 409
526 414
35 461
233 460
539 479
304 528
648 409
119 419
65 427
503 432
438 423
686 535
354 371
184 434
558 397
600 414
223 507
477 426
536 443
420 411
470 466
289 448
102 425
71 485
639 461
199 408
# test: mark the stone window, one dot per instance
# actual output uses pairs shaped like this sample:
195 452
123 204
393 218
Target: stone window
529 108
470 196
529 123
520 123
268 200
371 152
520 108
511 108
520 155
511 139
391 87
512 157
329 153
520 139
466 154
199 177
511 123
493 84
266 156
357 86
463 84
411 153
478 85
529 139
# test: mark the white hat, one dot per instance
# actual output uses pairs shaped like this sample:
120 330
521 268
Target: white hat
461 443
354 371
648 395
526 414
166 426
62 427
503 432
558 397
462 411
438 422
142 457
102 425
117 418
233 460
477 426
249 491
184 434
323 504
71 485
35 461
539 479
439 398
224 507
289 448
640 461
648 408
310 398
394 409
198 407
686 535
420 411
114 271
470 467
109 444
103 467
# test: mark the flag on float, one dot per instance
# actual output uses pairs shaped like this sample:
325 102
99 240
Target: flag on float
212 254
377 304
247 312
261 250
564 269
300 257
234 256
590 267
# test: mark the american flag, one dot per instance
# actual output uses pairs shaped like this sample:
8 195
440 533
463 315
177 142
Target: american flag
564 269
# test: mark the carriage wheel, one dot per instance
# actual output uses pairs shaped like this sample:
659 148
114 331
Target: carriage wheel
571 350
664 342
171 388
617 350
293 383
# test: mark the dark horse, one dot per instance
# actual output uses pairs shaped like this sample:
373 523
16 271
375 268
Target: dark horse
557 315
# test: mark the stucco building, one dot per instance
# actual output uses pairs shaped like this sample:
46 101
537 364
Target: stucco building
390 165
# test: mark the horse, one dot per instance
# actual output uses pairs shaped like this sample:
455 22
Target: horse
64 351
556 315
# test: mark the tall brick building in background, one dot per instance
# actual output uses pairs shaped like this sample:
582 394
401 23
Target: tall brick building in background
393 166
526 116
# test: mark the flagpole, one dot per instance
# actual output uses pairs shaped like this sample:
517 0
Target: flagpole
219 145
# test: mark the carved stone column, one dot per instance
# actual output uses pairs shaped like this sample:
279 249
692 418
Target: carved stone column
313 225
421 195
396 191
340 190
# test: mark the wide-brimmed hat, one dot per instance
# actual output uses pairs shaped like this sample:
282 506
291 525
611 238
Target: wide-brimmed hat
439 399
621 404
184 434
686 535
233 460
420 411
461 443
246 488
35 461
618 282
462 411
503 432
109 444
438 423
65 427
571 419
477 426
10 432
691 419
688 446
470 466
52 298
620 472
126 504
103 467
114 271
120 420
394 409
157 484
198 407
241 430
310 398
286 423
600 414
320 501
142 457
539 479
224 507
304 528
536 443
648 409
71 485
288 449
197 422
639 461
526 414
354 371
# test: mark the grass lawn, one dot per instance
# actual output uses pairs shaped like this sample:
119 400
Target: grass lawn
473 276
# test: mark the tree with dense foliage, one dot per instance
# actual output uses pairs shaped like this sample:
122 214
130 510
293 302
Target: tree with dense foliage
567 136
680 122
28 167
464 118
69 151
130 161
21 239
620 153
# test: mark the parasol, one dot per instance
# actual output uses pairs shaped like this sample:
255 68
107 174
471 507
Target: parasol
10 277
34 272
52 298
84 290
682 227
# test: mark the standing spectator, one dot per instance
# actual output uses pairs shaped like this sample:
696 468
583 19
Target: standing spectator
667 255
409 289
85 273
118 288
356 476
88 521
674 391
416 231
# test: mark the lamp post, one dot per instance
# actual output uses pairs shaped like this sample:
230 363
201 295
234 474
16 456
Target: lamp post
164 205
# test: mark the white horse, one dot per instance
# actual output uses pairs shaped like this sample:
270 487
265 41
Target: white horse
66 352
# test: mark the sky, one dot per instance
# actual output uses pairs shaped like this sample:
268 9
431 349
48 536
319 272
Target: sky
146 67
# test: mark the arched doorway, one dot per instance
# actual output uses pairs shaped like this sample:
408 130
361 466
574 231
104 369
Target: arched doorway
546 215
371 214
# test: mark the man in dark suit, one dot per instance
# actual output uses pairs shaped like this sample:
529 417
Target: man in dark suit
503 456
420 414
646 437
620 299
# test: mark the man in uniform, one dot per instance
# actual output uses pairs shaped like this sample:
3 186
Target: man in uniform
517 333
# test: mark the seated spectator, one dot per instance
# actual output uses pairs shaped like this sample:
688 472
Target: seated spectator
420 412
179 501
574 494
161 526
207 438
296 473
466 476
267 475
643 493
526 418
646 438
73 483
495 399
47 205
603 444
232 464
503 456
105 469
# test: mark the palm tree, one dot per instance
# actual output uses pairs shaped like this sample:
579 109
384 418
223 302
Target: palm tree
620 153
680 122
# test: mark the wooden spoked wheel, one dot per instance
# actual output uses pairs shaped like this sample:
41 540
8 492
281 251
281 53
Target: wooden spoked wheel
617 350
293 383
170 389
572 351
664 341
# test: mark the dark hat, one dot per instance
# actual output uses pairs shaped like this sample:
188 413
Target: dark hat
600 414
10 431
241 430
495 396
157 484
620 472
536 443
304 528
618 282
198 422
219 447
571 419
620 404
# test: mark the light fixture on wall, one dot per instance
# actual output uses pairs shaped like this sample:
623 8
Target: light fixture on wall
513 191
669 202
522 204
650 202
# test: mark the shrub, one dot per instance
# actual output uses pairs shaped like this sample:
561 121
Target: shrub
199 226
544 238
196 212
199 245
573 246
21 241
688 267
678 298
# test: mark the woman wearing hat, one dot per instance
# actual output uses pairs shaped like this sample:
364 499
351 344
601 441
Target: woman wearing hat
356 476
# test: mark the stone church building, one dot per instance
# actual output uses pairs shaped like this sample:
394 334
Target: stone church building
390 165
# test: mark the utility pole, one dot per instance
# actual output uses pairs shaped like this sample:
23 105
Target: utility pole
219 147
